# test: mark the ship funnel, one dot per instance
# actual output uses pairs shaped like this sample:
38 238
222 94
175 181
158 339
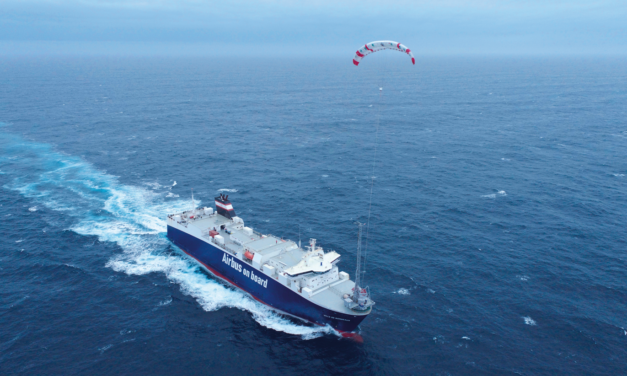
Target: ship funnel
224 207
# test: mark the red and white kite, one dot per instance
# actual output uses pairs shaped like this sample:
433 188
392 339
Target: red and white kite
372 47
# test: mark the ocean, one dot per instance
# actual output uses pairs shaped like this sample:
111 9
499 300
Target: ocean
497 237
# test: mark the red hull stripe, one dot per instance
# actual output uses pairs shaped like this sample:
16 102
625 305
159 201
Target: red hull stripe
216 272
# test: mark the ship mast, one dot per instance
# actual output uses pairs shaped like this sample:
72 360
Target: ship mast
358 271
193 202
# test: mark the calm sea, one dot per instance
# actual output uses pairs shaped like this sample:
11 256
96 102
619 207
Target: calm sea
497 241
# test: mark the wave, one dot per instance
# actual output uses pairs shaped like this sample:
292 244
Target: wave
495 195
154 185
105 348
227 190
133 218
165 302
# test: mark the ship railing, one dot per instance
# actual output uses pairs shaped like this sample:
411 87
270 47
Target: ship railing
269 235
230 249
233 251
261 235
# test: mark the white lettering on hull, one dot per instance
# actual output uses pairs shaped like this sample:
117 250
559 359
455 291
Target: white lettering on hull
262 282
230 261
335 318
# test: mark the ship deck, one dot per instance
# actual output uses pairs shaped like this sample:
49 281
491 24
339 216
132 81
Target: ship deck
278 252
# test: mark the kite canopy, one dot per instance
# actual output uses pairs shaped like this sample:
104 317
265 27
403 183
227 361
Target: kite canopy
371 47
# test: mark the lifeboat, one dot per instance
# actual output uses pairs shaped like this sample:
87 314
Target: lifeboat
249 255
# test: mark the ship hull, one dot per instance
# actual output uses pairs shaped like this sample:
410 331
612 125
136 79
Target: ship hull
261 287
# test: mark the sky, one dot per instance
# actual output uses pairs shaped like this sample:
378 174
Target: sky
311 27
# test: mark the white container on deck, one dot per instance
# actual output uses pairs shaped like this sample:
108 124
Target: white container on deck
344 275
236 240
295 285
257 261
219 239
208 211
268 269
248 230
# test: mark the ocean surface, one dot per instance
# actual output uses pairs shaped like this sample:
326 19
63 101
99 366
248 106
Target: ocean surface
497 241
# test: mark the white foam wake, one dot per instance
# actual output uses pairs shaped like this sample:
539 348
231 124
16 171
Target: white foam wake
402 291
131 217
494 195
210 294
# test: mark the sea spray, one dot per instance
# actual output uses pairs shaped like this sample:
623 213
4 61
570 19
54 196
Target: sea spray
130 216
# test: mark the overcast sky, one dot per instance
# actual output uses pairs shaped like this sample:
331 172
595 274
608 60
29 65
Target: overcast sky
325 27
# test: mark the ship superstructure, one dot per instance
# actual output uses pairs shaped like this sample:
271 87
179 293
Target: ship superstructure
304 283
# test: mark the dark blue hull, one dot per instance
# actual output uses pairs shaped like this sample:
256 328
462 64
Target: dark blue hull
264 289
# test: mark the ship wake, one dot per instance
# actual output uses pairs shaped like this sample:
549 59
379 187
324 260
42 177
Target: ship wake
130 216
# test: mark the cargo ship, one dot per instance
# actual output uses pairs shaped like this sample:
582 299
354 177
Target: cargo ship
303 283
